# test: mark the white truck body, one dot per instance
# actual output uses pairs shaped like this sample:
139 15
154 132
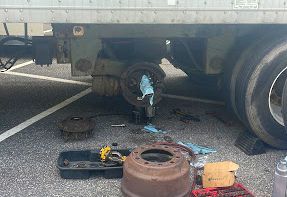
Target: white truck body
144 11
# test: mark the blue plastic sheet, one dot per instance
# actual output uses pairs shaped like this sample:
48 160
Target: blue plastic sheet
147 88
152 129
198 149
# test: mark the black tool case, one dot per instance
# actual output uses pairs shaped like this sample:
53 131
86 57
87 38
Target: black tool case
83 164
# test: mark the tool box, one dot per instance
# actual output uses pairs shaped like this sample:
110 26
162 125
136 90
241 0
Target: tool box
237 190
83 164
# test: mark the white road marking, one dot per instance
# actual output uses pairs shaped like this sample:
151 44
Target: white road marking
42 115
47 78
20 65
47 31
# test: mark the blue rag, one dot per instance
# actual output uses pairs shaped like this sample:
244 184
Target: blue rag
151 129
146 88
198 149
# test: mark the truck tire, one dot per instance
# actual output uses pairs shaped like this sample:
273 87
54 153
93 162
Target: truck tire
232 66
261 70
284 105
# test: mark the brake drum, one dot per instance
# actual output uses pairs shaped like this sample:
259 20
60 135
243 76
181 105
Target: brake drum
156 171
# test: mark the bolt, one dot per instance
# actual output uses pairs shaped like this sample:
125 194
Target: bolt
118 125
114 144
66 162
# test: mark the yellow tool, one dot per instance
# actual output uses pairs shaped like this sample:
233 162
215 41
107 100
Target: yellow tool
107 154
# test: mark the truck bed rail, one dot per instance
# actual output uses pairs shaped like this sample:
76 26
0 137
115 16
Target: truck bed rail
144 11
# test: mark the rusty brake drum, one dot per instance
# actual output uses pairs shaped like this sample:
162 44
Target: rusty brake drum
131 78
156 171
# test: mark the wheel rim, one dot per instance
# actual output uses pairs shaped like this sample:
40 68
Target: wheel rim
275 96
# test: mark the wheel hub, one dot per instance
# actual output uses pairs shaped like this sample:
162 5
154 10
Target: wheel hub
76 127
130 83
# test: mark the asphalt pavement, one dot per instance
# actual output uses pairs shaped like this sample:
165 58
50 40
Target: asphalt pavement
28 157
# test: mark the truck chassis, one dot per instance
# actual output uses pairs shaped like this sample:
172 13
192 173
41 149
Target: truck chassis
242 44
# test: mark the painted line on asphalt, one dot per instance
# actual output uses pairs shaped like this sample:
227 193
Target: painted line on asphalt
42 115
48 78
20 66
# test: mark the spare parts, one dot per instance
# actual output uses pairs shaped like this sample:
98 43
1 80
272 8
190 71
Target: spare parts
156 171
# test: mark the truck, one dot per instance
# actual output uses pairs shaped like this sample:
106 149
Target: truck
241 44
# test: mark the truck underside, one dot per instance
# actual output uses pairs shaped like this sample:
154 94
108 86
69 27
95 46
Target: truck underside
241 45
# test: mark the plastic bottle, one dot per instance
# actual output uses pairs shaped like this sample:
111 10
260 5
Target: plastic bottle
280 180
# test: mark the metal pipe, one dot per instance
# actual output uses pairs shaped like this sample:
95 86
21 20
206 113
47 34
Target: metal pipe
192 99
6 29
26 33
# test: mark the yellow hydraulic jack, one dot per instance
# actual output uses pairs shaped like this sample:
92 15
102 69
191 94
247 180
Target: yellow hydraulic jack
107 154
